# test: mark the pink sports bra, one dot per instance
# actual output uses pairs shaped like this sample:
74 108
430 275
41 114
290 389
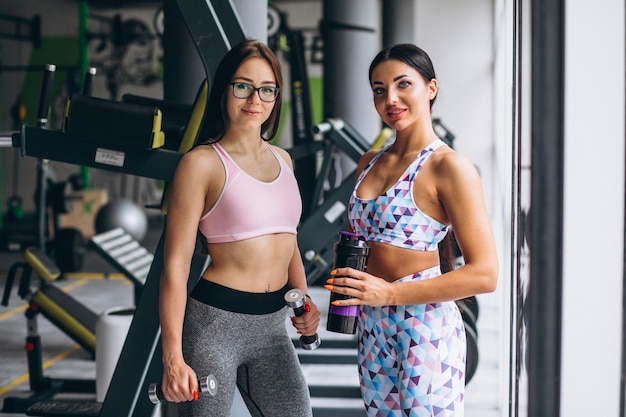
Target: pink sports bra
248 208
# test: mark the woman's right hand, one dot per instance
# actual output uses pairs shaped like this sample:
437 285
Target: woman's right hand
179 383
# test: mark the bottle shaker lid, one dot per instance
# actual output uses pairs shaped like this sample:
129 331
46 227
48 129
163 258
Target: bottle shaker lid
352 242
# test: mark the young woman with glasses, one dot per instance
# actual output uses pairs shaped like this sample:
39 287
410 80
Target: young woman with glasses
240 193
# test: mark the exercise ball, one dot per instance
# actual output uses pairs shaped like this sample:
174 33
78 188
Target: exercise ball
125 214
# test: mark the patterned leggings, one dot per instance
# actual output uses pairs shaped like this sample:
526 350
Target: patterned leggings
412 358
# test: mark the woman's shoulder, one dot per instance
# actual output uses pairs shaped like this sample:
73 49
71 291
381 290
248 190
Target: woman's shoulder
202 157
448 160
282 153
201 151
366 158
453 168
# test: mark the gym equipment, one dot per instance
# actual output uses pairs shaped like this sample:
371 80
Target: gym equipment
123 123
207 384
316 234
214 26
15 211
22 29
125 214
296 299
42 164
52 198
350 251
292 44
469 312
68 244
121 250
69 315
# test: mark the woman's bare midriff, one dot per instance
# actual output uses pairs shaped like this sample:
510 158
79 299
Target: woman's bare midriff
392 263
252 265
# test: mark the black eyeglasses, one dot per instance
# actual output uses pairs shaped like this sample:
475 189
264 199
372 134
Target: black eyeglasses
245 91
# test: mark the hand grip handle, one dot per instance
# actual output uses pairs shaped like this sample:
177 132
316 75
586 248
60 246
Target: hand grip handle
88 84
46 91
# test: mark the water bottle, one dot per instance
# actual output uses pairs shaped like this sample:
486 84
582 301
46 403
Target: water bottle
350 251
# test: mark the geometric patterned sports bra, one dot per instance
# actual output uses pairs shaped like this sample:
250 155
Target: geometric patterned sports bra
394 218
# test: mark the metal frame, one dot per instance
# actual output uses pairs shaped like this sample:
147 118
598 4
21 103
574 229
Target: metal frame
546 270
40 143
318 232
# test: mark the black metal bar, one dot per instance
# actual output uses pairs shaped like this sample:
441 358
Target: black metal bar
88 84
211 28
301 119
42 164
546 271
214 27
319 231
229 20
519 289
31 33
622 402
30 68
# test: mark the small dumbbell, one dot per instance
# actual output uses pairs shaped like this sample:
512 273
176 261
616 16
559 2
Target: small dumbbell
296 299
207 384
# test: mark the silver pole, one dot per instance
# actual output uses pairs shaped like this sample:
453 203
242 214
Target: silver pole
6 140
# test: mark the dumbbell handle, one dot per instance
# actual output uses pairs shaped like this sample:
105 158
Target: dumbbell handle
296 299
207 384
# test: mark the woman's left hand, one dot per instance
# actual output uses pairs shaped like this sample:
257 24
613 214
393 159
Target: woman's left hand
364 288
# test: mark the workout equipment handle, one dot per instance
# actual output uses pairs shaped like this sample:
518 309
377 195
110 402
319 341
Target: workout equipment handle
296 299
46 91
88 84
328 125
207 384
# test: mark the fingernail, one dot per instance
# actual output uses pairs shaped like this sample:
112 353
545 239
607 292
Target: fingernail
307 308
330 281
333 272
195 395
335 303
328 287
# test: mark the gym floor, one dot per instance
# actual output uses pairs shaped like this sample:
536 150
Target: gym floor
100 287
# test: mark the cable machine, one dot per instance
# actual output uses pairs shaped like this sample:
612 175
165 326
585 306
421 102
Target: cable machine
291 42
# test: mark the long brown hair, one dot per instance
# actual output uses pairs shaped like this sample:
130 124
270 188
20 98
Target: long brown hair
447 255
217 117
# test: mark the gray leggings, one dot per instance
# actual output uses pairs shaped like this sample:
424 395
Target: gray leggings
250 351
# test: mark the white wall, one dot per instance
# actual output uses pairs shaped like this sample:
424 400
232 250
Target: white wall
593 252
458 36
